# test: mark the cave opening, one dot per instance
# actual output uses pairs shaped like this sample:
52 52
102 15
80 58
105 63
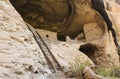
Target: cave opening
61 37
40 13
89 50
43 14
47 36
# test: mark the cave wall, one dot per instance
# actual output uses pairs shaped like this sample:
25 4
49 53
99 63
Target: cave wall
77 17
18 49
66 17
20 55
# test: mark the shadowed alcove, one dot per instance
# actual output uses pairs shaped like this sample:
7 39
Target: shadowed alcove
89 50
62 16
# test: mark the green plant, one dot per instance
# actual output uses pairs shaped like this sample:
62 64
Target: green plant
77 68
111 73
104 72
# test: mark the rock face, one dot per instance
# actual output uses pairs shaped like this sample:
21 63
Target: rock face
67 15
21 57
18 49
114 14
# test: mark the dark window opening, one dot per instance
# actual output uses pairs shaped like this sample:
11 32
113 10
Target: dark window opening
89 50
47 36
61 37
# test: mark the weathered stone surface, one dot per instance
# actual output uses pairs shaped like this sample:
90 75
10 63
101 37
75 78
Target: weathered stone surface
65 17
114 13
68 54
107 51
18 49
102 52
92 31
20 56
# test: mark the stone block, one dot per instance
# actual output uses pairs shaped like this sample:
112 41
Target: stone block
92 31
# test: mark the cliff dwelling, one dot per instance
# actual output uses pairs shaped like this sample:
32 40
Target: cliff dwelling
65 19
59 19
59 39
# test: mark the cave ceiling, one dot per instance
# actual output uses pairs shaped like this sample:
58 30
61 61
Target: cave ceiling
66 17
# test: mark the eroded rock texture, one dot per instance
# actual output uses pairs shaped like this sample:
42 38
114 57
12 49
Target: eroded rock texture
20 56
66 17
74 18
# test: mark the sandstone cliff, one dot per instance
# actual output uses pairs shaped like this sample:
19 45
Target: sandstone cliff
87 39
